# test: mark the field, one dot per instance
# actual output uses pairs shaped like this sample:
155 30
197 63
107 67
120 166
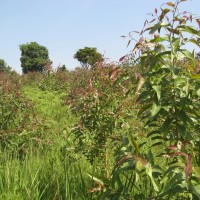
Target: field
119 131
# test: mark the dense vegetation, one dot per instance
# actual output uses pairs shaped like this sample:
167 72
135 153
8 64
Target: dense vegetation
34 57
111 131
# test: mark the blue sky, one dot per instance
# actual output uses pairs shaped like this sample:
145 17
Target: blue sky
64 26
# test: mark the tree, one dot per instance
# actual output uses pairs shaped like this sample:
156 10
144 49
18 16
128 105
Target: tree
62 68
88 57
34 57
4 67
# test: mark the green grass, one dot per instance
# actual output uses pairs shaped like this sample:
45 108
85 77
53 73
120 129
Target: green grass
49 106
43 176
50 170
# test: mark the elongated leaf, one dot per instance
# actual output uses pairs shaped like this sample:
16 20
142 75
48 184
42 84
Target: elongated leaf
155 109
196 171
134 143
181 129
157 88
122 58
189 29
157 144
196 189
196 76
170 4
194 42
153 133
180 82
99 179
166 125
149 172
188 55
163 53
175 180
143 109
175 31
155 28
159 39
164 12
182 116
158 137
143 96
140 84
175 45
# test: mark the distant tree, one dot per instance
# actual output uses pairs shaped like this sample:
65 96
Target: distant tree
34 57
88 57
62 68
4 67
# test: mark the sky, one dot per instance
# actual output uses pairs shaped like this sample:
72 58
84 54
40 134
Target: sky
64 26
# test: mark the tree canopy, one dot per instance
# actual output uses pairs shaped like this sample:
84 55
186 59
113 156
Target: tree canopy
34 57
4 67
88 57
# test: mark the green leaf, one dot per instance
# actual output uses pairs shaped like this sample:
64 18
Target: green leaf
163 53
159 39
179 81
174 70
175 45
152 133
140 84
166 125
194 42
134 143
139 166
97 178
158 137
188 54
196 171
195 189
198 92
189 29
155 109
181 129
164 12
149 172
181 116
157 144
143 109
157 88
196 76
175 180
155 28
143 96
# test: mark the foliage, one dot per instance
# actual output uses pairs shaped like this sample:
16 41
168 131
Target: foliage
126 131
161 160
16 113
168 91
34 57
107 119
4 67
58 81
43 175
62 68
88 57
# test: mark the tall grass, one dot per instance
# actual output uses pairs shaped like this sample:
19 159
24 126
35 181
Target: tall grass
48 169
42 176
